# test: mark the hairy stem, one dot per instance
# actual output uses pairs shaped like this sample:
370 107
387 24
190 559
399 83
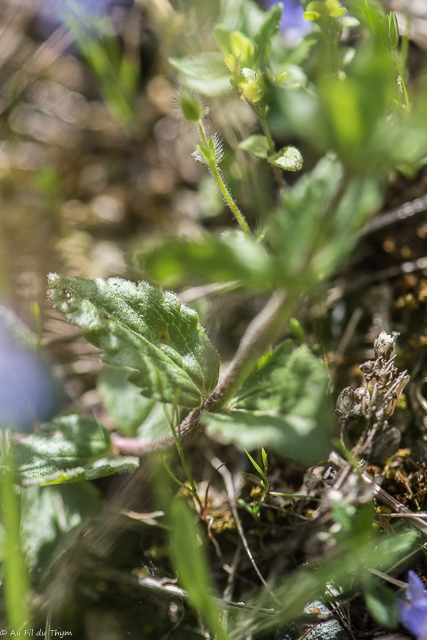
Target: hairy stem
271 147
225 192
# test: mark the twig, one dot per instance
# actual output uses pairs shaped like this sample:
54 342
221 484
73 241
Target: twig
395 215
262 332
229 486
384 497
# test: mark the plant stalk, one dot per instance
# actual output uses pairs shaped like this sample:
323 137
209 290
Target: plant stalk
225 192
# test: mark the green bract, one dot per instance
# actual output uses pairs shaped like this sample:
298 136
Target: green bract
190 107
392 30
160 341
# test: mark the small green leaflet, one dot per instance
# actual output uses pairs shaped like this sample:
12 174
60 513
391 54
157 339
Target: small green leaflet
288 158
151 333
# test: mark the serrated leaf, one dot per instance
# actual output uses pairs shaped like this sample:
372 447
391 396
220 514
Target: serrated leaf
229 257
257 145
61 446
205 73
288 158
143 329
66 511
381 603
282 405
92 471
134 414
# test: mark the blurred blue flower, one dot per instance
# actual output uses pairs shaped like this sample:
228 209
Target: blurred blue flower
292 25
54 13
28 391
413 611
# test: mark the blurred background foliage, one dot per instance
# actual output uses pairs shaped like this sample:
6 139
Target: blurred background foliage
96 173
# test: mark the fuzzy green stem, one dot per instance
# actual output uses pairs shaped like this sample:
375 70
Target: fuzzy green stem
225 192
271 146
405 93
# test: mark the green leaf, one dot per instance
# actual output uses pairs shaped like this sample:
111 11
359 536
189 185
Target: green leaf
381 603
290 382
229 257
61 445
222 37
255 464
242 15
51 520
304 225
266 32
205 73
290 436
190 561
131 412
288 158
140 328
256 145
282 405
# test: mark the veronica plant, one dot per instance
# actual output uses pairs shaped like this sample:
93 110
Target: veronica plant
156 351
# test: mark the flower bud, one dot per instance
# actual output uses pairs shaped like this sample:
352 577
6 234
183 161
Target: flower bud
191 108
392 30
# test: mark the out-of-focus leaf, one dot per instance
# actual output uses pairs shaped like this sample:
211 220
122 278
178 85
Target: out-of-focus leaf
132 413
347 570
190 561
290 382
256 145
242 15
296 437
143 329
282 406
381 603
66 511
205 73
288 158
14 572
269 27
63 444
232 256
306 226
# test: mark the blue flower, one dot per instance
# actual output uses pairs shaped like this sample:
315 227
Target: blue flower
28 391
83 14
292 25
413 611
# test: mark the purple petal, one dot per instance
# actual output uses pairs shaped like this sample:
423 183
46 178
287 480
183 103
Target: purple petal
415 587
292 25
28 391
413 611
